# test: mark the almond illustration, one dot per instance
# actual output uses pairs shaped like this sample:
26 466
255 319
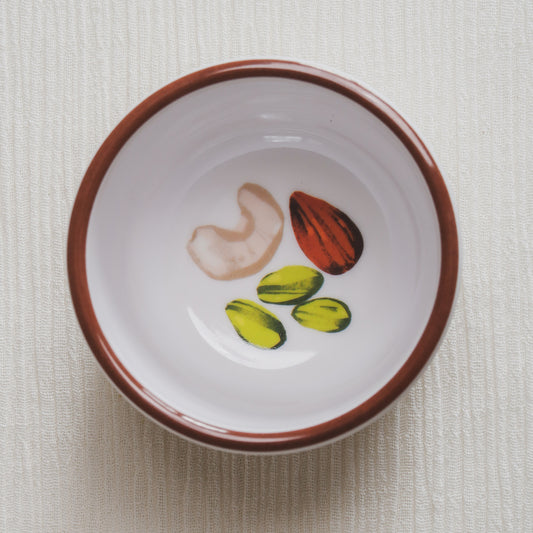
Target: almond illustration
326 235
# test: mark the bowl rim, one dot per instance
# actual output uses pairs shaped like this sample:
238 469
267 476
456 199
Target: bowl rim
179 422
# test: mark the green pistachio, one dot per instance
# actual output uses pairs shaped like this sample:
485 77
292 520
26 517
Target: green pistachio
255 324
323 314
289 285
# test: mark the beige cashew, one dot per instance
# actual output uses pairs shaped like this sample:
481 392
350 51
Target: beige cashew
231 254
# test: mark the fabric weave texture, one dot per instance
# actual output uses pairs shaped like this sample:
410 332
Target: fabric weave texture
454 454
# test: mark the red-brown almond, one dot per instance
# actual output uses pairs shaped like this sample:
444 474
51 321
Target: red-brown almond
326 235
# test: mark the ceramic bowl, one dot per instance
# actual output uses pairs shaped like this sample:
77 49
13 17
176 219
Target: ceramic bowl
263 256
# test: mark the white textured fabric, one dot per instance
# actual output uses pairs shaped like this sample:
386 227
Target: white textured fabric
455 454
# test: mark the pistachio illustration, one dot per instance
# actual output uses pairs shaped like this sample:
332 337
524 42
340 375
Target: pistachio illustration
324 314
255 324
289 285
231 254
326 235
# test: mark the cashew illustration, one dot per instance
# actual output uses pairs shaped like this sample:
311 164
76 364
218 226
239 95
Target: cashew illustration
232 254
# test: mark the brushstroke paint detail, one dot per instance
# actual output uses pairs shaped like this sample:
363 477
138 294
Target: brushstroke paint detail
290 285
232 254
324 314
326 235
255 324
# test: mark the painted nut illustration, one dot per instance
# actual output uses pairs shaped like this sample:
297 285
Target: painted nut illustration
326 235
289 285
231 254
255 324
323 314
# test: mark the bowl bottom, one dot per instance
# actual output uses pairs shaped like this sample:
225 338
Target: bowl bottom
170 322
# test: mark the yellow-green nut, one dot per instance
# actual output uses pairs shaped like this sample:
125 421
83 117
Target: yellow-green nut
255 324
289 285
323 314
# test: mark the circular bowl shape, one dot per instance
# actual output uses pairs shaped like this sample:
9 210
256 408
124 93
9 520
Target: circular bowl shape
234 173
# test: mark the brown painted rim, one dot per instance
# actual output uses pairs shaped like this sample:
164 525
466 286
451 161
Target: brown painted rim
165 414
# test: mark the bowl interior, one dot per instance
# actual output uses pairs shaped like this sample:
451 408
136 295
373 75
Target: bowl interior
165 318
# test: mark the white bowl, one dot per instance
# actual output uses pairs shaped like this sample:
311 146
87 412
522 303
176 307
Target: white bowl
157 322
